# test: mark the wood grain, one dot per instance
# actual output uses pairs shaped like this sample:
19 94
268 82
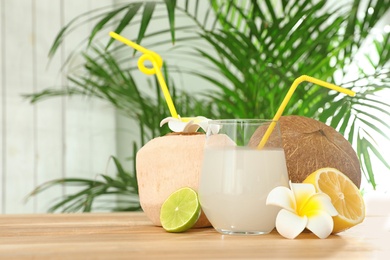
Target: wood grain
132 236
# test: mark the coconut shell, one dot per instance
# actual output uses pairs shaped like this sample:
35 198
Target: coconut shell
310 145
166 164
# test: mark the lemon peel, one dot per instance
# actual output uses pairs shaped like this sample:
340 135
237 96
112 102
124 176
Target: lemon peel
302 207
344 194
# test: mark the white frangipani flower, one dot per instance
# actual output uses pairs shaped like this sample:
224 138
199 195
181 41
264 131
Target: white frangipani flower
302 208
186 124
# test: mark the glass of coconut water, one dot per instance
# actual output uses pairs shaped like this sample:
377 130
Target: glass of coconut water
237 176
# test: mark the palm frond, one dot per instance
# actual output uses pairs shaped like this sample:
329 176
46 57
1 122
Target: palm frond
91 191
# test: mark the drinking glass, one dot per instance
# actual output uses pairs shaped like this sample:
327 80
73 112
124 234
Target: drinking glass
237 176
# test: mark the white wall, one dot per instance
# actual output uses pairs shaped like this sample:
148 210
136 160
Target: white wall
60 137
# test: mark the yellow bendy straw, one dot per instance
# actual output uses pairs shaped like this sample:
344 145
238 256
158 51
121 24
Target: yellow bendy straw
287 98
157 63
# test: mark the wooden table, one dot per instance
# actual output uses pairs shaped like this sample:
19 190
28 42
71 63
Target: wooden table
132 236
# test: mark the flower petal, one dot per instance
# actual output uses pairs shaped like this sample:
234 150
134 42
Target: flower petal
176 126
191 127
320 223
186 124
319 202
282 197
204 125
302 192
166 120
289 224
214 129
199 119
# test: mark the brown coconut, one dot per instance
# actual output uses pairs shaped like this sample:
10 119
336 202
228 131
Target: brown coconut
310 145
166 164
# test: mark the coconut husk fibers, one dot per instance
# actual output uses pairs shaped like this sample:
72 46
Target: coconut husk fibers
310 145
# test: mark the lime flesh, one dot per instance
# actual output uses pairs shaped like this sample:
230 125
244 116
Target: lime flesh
180 210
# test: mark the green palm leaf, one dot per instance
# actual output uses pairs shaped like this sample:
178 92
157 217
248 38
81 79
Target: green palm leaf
128 17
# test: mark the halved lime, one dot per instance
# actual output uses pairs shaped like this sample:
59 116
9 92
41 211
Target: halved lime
180 210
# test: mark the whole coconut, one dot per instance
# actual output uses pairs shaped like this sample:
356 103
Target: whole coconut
310 145
166 164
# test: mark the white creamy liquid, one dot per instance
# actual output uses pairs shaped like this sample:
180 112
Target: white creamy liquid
234 185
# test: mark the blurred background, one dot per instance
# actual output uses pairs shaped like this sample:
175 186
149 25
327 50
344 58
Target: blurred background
57 138
66 137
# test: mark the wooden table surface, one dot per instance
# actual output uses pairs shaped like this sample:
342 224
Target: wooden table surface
132 236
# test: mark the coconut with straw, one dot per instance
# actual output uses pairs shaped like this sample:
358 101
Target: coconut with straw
168 163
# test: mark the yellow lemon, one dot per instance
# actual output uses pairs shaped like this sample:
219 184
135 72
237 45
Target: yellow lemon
345 196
